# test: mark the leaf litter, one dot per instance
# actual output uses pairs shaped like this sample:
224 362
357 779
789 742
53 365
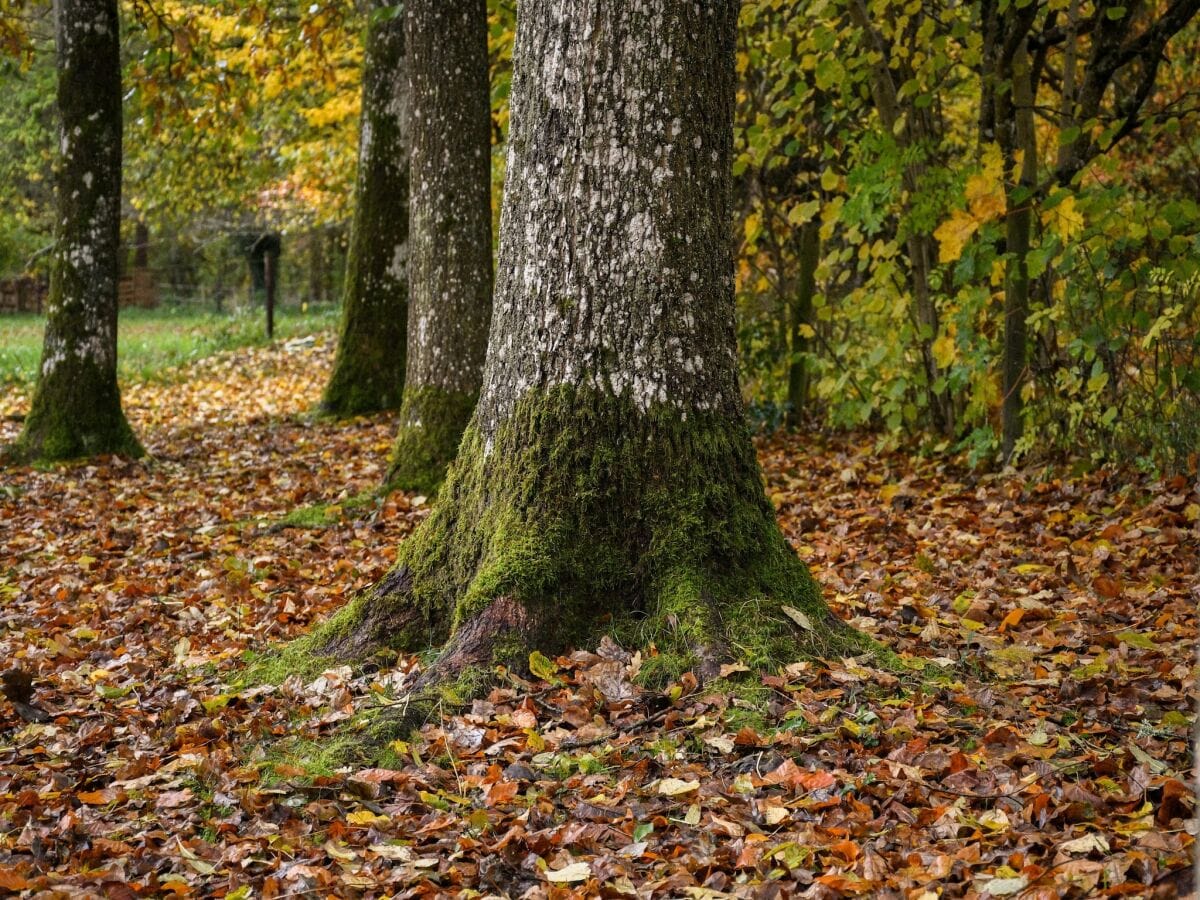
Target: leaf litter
1040 747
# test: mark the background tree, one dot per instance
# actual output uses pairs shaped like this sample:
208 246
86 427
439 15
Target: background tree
1108 61
368 371
607 481
76 406
244 112
450 234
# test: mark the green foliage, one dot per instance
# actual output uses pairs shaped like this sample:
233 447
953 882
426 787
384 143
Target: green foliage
867 118
1112 368
26 156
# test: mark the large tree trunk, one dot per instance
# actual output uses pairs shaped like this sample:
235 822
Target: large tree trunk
76 408
607 482
450 234
368 372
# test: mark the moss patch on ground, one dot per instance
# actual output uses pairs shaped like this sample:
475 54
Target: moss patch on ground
325 515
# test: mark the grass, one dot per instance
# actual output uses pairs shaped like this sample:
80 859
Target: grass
323 515
152 342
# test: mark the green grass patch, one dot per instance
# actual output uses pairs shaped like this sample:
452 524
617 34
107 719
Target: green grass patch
153 342
324 515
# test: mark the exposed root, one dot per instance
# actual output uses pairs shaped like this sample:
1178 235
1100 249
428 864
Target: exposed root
503 633
386 618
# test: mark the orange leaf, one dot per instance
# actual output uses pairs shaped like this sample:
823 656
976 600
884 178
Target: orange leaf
847 850
11 880
1013 619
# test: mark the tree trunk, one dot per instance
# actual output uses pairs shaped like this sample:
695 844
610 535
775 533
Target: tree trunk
316 266
270 262
76 408
368 371
801 310
607 482
450 234
141 245
911 131
1018 140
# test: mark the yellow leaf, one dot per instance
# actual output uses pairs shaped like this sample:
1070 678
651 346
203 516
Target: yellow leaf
953 234
829 180
943 351
994 820
798 617
541 667
751 226
675 787
575 872
985 190
806 331
1064 219
366 818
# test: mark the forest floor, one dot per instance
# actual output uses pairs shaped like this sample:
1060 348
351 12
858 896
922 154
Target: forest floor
1040 747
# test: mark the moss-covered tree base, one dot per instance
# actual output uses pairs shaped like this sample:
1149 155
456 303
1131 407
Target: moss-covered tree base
69 421
588 517
359 390
431 425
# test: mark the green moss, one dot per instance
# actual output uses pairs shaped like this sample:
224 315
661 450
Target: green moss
432 421
345 398
319 515
363 741
276 666
68 421
324 515
369 368
597 517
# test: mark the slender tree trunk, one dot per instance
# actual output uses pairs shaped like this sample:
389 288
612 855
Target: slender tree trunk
607 482
258 273
270 264
316 265
450 234
368 371
912 131
1019 141
141 245
76 408
801 310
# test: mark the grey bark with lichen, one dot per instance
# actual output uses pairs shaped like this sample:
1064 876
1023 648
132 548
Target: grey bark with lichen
607 482
450 234
76 406
368 371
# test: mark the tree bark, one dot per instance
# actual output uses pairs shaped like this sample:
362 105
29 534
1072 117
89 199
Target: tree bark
368 370
801 313
607 482
450 234
1018 141
76 407
912 130
141 245
270 263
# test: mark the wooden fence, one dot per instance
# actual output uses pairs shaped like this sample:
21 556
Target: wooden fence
19 295
138 288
